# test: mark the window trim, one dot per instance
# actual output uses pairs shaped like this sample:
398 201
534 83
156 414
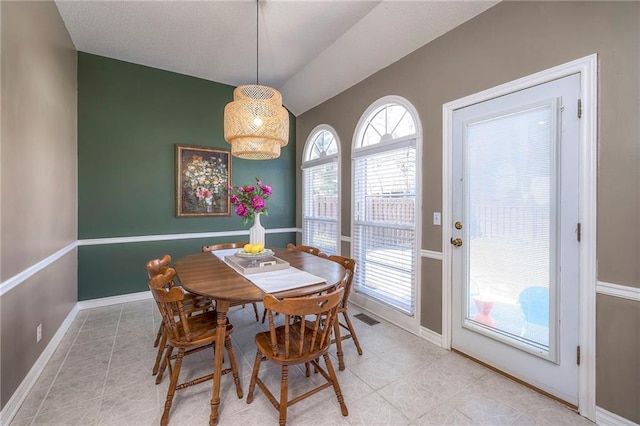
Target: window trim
375 107
309 142
333 158
409 323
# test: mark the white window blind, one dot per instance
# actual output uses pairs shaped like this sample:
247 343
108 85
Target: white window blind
320 195
384 226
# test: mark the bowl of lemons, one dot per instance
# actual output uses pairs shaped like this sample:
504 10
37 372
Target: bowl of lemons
254 251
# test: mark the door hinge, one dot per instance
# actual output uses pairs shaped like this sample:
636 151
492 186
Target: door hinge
579 108
578 355
579 232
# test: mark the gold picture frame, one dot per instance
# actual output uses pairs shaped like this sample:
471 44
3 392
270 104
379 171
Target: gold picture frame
203 176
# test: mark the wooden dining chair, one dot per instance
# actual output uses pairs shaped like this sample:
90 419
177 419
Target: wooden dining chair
308 249
224 246
187 334
347 283
192 303
304 337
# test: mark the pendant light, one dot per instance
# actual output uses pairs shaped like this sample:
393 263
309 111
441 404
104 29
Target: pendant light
255 123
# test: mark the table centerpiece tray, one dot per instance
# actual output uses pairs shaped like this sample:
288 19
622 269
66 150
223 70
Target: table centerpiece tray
255 263
260 255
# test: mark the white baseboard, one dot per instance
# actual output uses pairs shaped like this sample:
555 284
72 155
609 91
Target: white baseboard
431 336
18 397
607 418
113 300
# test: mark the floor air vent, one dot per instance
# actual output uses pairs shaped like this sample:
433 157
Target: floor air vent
366 319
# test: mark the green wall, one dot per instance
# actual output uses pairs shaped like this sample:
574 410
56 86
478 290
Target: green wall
115 269
130 117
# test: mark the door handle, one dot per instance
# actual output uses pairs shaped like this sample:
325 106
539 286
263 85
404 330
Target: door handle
457 242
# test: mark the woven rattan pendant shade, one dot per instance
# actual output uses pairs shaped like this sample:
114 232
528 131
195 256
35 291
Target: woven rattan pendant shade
255 123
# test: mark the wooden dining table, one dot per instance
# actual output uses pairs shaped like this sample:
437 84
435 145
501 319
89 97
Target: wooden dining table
207 275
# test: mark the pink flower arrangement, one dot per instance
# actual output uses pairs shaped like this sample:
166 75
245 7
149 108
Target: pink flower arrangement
250 199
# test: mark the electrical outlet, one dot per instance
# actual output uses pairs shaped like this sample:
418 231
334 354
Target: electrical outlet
38 333
437 219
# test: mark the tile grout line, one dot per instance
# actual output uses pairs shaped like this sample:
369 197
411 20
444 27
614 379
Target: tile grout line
155 327
104 383
458 406
46 395
154 310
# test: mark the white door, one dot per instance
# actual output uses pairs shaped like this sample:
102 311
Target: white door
515 270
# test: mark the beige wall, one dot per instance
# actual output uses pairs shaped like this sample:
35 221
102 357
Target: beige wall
46 298
509 41
38 181
617 360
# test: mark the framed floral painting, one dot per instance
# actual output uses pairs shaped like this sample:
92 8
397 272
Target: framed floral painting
202 181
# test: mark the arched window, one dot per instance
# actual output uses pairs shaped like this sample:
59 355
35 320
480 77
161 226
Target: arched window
385 205
320 190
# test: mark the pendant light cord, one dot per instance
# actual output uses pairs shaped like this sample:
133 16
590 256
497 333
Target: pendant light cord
257 44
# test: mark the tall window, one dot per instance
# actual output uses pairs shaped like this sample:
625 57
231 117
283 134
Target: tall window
384 204
320 194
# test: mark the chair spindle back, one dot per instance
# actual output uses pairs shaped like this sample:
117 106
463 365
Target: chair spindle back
308 323
170 301
347 283
158 266
307 249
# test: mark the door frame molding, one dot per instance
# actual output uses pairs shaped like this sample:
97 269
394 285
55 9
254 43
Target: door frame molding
587 67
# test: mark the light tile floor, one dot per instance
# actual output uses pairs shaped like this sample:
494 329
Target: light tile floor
101 375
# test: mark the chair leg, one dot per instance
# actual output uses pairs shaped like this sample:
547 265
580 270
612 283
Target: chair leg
284 388
254 377
338 338
352 331
168 352
264 315
336 385
172 387
160 330
161 348
255 311
307 368
234 366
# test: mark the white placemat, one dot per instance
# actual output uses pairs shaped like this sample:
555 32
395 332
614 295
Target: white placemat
274 281
284 279
220 254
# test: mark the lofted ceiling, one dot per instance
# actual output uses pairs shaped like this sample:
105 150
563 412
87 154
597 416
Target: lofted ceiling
309 50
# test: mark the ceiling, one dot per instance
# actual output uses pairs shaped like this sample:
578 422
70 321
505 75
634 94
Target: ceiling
309 50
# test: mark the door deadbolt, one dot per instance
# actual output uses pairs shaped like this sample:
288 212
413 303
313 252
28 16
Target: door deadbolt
458 225
456 242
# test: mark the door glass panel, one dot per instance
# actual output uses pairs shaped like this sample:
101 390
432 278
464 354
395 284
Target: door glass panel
509 181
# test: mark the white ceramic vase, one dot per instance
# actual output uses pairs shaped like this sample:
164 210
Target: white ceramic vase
256 232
